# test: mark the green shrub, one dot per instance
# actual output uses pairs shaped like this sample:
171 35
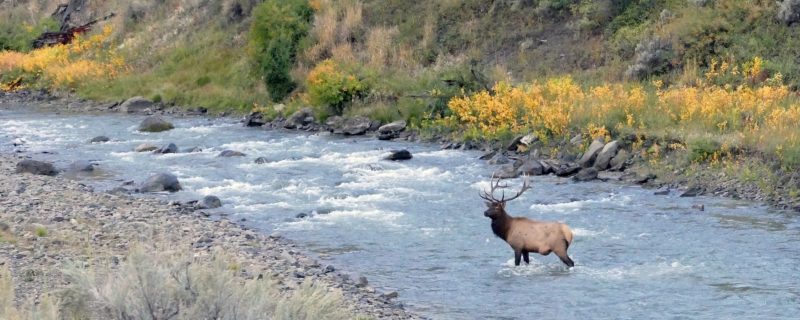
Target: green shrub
702 149
277 29
329 84
18 36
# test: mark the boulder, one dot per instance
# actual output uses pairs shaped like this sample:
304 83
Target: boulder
168 148
499 159
393 127
145 147
532 167
261 160
488 155
587 160
254 119
230 153
99 139
82 166
619 161
567 170
209 202
136 105
356 126
507 171
36 167
586 174
300 119
160 182
522 140
606 154
693 192
391 130
155 124
397 155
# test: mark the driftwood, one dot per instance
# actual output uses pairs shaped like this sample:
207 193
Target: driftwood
67 34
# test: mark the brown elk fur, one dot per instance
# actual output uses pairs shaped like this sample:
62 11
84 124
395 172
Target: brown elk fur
525 235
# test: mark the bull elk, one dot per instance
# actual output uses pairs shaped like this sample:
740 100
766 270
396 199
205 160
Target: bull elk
525 235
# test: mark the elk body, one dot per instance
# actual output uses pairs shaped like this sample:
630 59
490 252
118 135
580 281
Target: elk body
525 235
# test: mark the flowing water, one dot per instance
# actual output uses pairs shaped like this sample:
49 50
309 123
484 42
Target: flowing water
417 227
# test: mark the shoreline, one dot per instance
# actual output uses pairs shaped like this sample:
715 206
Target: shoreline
49 222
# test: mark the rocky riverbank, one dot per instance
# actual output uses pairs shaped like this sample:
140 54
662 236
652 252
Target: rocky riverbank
48 222
751 178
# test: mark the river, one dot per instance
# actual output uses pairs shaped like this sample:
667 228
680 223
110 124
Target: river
417 227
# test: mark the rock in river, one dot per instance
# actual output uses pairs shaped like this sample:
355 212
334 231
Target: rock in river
155 124
161 182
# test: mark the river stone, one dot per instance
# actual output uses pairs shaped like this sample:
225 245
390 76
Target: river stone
155 124
161 182
81 166
261 160
507 171
619 161
591 154
145 147
230 153
586 174
254 119
209 202
567 170
396 155
99 139
532 167
300 118
393 127
356 126
168 148
604 157
136 105
693 192
499 159
36 167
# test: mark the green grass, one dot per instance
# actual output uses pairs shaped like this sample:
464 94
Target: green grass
208 70
41 232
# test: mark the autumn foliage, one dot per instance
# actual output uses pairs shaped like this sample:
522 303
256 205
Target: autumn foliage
62 66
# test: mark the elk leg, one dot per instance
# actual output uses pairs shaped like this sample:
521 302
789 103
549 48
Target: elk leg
525 256
562 254
517 256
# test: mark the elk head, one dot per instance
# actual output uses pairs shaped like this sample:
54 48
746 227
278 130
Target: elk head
497 207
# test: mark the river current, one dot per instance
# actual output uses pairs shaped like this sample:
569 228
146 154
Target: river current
417 227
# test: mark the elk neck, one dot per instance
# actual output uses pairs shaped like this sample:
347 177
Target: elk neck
501 225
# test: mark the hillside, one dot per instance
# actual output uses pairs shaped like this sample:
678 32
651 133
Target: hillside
687 84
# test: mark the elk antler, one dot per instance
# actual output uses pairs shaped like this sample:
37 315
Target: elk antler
489 196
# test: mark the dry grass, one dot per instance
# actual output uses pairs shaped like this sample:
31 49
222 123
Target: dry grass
170 285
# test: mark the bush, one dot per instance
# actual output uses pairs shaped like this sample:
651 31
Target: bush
329 84
652 58
18 36
163 286
276 32
789 11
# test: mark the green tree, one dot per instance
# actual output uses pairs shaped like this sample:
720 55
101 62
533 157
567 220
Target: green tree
276 32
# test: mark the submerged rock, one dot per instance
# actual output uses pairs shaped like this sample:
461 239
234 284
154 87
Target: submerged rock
99 139
261 160
145 147
230 153
82 166
396 155
168 148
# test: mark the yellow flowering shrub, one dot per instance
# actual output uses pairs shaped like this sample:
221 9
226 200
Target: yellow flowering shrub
65 66
760 113
329 84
